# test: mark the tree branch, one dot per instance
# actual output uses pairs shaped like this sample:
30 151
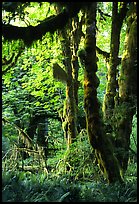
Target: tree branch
24 135
11 64
51 24
32 33
5 61
106 55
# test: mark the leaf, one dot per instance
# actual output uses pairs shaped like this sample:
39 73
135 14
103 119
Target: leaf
37 103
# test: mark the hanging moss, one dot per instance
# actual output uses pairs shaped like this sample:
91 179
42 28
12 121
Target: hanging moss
33 33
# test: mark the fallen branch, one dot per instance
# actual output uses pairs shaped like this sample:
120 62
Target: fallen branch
25 137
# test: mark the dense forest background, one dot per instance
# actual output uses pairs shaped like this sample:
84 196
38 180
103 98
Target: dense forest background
69 102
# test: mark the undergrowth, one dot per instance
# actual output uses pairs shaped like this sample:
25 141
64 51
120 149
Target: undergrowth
72 176
26 187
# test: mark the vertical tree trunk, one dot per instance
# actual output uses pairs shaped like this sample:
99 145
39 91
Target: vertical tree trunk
42 133
71 38
103 149
127 89
112 84
76 33
75 40
70 42
69 112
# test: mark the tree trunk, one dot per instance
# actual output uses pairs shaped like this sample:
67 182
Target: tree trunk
103 148
69 112
127 89
69 116
112 83
42 134
76 34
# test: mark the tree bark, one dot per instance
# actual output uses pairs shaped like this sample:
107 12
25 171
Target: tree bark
127 90
112 83
103 148
69 111
76 34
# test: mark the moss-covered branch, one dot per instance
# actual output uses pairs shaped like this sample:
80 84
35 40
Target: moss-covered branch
32 33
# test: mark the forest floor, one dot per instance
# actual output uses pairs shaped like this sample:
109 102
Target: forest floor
62 184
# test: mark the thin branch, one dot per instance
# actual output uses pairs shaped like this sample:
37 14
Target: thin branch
10 61
27 150
102 14
21 131
5 61
6 153
106 55
135 153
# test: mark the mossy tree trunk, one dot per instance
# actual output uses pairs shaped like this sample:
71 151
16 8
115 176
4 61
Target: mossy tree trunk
102 146
112 83
69 112
75 40
71 35
127 89
76 33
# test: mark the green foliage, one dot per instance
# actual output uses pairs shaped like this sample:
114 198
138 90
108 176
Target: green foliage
72 176
133 138
78 162
27 187
29 89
